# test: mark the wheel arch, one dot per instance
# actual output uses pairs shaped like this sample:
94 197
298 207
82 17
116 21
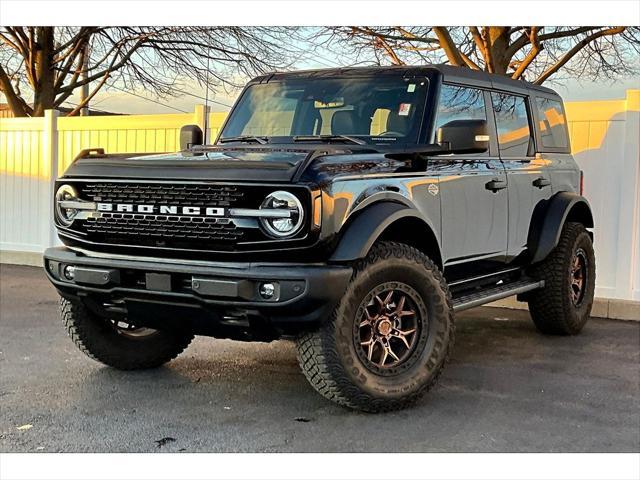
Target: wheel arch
386 220
550 217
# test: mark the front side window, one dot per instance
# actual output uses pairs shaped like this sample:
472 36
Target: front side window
553 125
512 122
459 103
375 110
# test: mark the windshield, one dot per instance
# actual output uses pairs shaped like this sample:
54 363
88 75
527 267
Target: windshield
353 110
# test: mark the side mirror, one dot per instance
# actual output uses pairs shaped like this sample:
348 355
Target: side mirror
464 136
190 135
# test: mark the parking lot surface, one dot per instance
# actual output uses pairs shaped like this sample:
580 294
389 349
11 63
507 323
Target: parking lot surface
507 389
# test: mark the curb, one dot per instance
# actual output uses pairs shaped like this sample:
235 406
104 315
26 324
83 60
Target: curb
610 308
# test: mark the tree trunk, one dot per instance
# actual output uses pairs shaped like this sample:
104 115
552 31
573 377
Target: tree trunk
44 97
497 39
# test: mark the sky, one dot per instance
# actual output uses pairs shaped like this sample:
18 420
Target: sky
120 102
141 102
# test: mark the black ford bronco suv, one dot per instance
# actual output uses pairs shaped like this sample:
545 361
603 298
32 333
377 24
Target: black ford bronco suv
353 210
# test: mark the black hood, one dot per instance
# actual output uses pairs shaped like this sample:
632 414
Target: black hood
225 164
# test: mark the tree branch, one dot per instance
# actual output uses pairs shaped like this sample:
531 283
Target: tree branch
577 47
524 39
389 51
565 33
488 53
72 55
449 47
18 38
114 66
86 101
12 44
470 63
536 48
13 100
480 44
83 33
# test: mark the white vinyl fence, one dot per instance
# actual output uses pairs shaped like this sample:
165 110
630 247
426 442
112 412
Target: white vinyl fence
604 134
605 140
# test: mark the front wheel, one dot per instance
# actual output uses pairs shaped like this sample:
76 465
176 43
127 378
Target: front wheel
117 343
563 306
388 339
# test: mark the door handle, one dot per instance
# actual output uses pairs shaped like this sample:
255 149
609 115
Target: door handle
541 182
495 185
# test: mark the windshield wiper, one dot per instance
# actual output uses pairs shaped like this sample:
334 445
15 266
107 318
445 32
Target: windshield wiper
327 138
244 138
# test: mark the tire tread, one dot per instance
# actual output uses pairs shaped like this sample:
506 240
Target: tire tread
318 357
550 308
76 319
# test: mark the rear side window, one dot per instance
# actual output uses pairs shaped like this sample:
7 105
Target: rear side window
553 125
459 103
512 122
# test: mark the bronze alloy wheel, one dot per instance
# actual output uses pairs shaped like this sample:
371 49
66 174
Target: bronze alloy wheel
388 326
578 277
388 339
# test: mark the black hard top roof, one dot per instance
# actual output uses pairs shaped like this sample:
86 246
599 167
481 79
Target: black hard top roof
448 72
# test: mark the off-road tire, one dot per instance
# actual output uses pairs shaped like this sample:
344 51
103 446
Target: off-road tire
552 309
97 338
328 356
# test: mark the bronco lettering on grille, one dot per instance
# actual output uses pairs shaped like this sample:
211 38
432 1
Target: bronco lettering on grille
161 209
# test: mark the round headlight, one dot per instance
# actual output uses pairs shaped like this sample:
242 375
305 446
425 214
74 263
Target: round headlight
65 215
286 217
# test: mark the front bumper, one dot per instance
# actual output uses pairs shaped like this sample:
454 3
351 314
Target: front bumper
214 296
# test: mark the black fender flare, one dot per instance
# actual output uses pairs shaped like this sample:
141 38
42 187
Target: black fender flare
361 233
549 218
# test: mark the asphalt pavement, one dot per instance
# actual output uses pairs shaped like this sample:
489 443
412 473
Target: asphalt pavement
506 389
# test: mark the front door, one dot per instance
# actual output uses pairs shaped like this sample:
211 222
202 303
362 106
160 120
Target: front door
473 186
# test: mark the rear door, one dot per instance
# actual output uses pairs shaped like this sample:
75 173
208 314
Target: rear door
527 174
473 186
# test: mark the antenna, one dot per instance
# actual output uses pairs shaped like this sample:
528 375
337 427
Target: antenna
206 100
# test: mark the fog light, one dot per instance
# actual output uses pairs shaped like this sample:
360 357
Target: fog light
267 290
69 272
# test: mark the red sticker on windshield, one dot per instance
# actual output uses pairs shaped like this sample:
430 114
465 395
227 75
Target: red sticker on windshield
404 109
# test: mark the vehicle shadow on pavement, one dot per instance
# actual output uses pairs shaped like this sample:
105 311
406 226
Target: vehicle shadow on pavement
507 388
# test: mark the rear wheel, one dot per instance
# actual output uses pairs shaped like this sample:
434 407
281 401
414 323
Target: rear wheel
563 306
118 343
388 339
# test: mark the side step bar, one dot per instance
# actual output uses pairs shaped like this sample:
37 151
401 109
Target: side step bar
498 292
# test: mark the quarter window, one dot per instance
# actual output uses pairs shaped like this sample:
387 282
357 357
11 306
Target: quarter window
512 122
553 125
459 103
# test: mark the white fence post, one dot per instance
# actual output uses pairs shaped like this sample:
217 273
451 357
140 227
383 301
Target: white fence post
51 162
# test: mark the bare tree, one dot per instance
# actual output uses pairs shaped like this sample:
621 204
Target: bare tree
531 53
53 62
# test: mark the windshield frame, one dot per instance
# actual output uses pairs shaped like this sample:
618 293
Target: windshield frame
373 141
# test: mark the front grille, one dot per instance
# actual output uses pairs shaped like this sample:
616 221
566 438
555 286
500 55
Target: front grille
170 194
163 227
168 231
